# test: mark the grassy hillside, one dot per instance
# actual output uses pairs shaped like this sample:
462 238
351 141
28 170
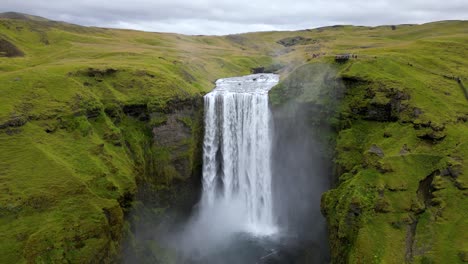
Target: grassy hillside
74 140
77 109
401 144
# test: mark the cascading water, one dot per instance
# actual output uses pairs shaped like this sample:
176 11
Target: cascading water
262 183
254 181
237 152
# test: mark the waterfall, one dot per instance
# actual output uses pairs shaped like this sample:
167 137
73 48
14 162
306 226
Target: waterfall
237 153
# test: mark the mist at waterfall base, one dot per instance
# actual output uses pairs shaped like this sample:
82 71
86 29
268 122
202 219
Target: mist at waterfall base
263 177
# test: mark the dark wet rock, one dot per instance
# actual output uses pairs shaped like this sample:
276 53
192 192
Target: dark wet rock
139 111
341 58
425 190
91 72
377 151
171 133
429 130
257 70
462 118
452 171
383 111
370 93
93 112
177 136
424 201
431 135
16 121
420 125
126 199
112 110
378 112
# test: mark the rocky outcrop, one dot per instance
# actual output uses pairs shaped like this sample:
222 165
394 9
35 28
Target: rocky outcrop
298 40
177 131
382 104
170 183
15 121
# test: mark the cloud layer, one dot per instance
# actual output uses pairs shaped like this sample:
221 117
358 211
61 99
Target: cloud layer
225 17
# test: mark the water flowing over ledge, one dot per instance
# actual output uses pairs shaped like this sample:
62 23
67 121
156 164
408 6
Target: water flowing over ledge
253 84
236 155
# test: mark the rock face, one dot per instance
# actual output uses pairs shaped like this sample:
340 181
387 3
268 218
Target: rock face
177 141
382 104
377 151
170 183
292 41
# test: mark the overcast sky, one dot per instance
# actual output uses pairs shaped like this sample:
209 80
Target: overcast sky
224 17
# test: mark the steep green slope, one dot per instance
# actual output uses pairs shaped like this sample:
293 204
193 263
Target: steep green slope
401 145
80 110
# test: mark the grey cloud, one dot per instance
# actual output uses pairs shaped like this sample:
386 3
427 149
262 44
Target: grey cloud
223 17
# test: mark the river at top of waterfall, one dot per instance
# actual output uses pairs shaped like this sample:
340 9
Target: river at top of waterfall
253 84
237 187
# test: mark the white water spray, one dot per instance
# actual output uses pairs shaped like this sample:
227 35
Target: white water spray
237 188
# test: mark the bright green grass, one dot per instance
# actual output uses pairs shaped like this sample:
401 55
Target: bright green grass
418 61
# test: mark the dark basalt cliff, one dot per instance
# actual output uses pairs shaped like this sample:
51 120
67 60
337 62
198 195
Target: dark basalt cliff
171 183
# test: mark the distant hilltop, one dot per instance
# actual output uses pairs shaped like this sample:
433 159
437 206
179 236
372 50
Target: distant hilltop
17 15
